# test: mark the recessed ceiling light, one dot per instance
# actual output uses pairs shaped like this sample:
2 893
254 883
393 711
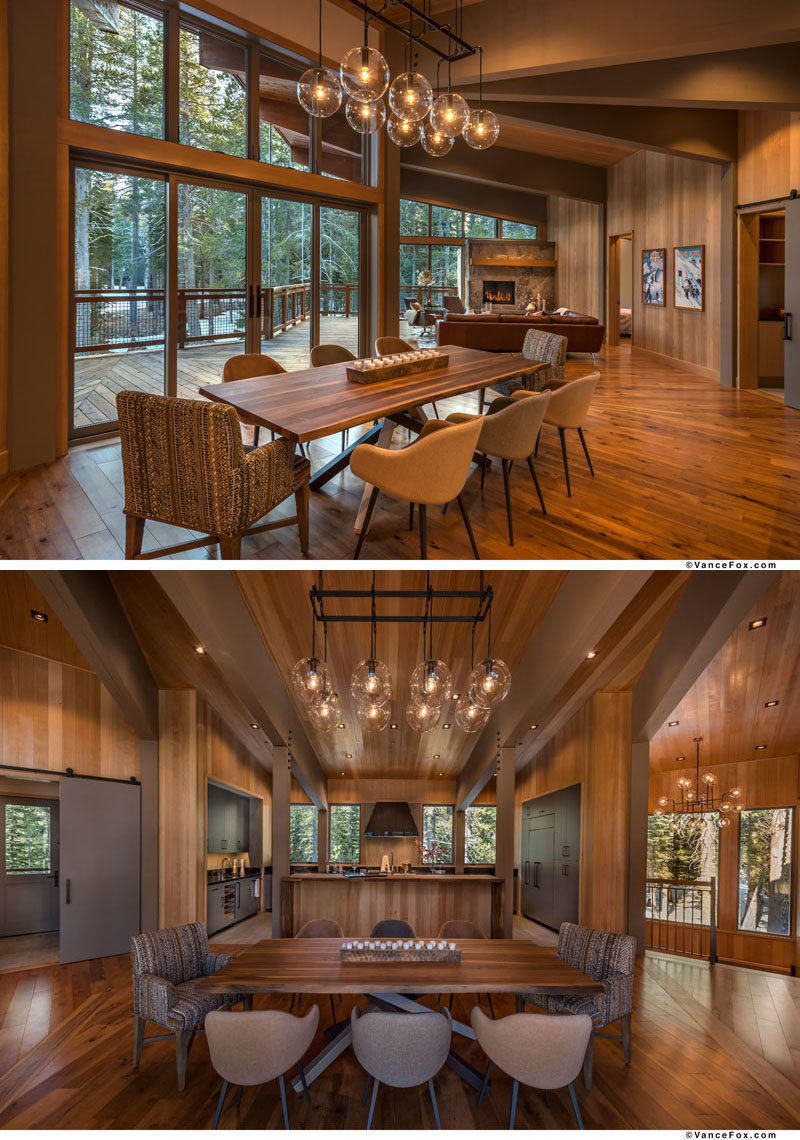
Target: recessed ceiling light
760 747
771 704
201 649
445 726
341 773
678 759
592 653
534 727
37 615
441 773
757 624
673 723
455 696
340 724
348 755
392 726
253 724
436 756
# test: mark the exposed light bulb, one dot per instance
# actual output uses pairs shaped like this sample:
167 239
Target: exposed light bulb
449 114
364 74
480 128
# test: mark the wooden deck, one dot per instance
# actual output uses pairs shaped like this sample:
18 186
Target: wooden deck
98 378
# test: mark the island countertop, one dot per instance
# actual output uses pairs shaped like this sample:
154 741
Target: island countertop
425 901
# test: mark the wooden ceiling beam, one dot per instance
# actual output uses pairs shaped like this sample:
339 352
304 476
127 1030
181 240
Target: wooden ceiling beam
500 166
87 605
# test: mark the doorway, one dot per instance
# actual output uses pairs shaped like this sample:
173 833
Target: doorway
620 290
766 285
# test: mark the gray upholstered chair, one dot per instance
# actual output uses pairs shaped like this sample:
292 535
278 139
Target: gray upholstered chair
568 408
509 432
256 1047
165 963
545 348
452 304
454 929
608 958
541 1052
392 928
322 354
319 928
401 1050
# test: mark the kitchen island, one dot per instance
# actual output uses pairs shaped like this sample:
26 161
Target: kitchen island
425 901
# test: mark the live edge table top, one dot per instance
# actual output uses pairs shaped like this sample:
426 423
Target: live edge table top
313 965
317 402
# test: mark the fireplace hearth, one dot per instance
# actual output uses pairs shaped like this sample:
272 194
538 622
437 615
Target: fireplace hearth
499 292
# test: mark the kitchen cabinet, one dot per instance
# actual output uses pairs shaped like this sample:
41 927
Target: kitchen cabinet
249 899
551 832
230 901
228 821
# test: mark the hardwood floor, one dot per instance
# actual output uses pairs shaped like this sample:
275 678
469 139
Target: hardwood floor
702 1058
684 468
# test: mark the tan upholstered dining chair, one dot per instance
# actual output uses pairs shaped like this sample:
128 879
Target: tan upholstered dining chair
429 472
509 432
568 408
541 1052
184 464
454 929
255 1047
322 354
390 345
246 366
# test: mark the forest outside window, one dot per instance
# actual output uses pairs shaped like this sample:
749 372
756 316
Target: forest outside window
765 870
480 834
27 839
213 93
345 833
437 834
686 848
302 833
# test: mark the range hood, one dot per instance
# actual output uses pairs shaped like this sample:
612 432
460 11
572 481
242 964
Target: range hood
391 817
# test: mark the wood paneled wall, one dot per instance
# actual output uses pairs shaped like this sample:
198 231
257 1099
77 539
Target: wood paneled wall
773 782
181 810
593 750
667 201
4 213
769 154
56 716
575 228
227 760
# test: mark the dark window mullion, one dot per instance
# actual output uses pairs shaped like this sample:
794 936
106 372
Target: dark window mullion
172 63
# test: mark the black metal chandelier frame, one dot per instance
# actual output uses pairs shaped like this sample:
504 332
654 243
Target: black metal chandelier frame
463 49
483 597
698 804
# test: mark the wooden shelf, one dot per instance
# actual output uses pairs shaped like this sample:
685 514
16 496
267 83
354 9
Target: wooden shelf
780 264
515 262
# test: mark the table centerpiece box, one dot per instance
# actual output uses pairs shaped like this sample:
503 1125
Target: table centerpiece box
374 369
398 950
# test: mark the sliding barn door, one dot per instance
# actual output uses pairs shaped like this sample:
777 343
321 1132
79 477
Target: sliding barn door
100 868
791 344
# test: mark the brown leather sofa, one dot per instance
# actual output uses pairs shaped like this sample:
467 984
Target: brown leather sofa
505 332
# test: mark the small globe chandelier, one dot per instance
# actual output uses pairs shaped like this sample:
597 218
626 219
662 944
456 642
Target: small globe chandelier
434 143
363 70
371 682
470 716
490 681
373 717
410 96
449 112
430 682
701 799
326 713
318 89
309 676
403 131
483 127
421 715
365 115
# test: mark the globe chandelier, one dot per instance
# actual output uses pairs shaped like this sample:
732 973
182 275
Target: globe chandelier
371 683
414 113
469 716
700 798
490 681
312 686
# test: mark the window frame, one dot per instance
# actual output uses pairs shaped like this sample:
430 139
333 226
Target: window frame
467 810
344 804
305 862
451 809
792 861
26 874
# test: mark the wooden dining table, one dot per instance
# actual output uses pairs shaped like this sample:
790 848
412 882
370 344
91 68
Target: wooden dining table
314 966
317 402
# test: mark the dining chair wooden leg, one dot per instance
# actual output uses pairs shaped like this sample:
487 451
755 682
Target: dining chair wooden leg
367 518
432 1091
485 1084
481 400
586 450
535 478
372 1102
468 525
507 485
282 1084
134 535
423 531
301 502
574 1100
410 516
302 1073
514 1095
484 465
231 547
220 1102
256 432
139 1024
564 457
366 1089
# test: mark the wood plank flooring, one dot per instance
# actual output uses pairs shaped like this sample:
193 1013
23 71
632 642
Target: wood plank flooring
685 468
692 1066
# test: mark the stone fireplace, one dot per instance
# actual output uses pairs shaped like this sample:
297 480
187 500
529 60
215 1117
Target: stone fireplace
507 274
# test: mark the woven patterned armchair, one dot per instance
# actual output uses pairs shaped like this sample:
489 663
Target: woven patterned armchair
184 464
546 348
608 958
165 963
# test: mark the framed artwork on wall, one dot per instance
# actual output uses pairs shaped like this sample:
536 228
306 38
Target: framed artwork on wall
654 278
689 268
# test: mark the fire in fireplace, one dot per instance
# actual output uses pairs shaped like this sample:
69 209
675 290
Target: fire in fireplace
498 292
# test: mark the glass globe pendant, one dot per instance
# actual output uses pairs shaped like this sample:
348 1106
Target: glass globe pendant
431 682
326 713
482 129
410 96
318 89
403 132
309 679
469 716
449 114
373 717
364 71
433 142
365 115
489 683
371 683
421 715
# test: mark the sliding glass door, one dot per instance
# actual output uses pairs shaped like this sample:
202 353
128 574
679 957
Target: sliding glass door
340 277
283 304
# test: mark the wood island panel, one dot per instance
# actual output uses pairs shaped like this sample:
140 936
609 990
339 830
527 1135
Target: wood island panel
424 901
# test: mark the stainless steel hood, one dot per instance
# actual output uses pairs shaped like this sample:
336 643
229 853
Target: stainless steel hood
391 817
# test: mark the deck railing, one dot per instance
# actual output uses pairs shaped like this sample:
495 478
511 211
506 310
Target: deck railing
681 917
107 319
426 293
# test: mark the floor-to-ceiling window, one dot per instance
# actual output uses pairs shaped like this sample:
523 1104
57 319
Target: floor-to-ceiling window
284 307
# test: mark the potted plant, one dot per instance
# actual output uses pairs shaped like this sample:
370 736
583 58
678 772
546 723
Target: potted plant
425 279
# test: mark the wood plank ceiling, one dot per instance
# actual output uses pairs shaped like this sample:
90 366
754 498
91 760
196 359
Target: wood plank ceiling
726 705
588 149
280 607
19 630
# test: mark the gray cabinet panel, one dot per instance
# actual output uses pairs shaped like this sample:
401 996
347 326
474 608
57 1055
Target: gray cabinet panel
228 821
551 828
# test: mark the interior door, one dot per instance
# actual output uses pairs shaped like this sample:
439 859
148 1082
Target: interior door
100 867
791 344
29 866
542 846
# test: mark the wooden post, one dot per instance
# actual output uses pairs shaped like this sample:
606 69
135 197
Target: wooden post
322 839
504 855
281 788
459 820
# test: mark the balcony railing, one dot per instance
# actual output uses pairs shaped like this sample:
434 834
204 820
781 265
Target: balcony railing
681 917
427 293
117 319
